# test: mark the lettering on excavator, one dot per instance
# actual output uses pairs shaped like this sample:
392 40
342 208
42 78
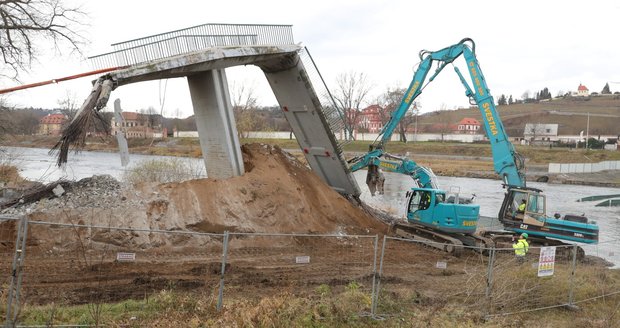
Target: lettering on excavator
474 74
412 91
388 165
490 119
470 223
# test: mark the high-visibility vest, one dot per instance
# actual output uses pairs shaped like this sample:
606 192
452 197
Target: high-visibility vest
521 247
522 207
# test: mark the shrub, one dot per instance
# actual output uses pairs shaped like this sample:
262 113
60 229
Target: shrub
164 170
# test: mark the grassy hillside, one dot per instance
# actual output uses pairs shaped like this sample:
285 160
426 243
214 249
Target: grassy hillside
570 113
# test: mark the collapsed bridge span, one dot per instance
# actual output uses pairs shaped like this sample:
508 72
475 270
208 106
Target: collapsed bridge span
201 54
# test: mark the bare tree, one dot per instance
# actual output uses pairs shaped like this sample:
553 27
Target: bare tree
390 101
449 118
69 105
351 92
244 106
26 26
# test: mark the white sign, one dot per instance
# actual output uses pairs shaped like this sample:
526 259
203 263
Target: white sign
302 259
546 262
441 265
125 256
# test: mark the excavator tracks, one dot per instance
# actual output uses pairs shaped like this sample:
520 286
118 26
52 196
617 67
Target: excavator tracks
453 244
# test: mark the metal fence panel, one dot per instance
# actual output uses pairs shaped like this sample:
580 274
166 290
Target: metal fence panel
78 264
413 273
8 236
599 277
262 264
522 285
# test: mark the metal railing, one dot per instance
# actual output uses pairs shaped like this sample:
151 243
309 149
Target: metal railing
333 114
192 39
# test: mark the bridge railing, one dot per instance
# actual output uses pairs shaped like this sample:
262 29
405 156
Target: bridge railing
192 39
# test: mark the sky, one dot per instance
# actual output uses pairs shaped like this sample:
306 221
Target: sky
522 46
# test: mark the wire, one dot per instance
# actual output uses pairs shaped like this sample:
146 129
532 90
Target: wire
162 99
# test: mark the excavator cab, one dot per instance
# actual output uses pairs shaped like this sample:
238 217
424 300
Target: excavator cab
533 201
429 208
533 218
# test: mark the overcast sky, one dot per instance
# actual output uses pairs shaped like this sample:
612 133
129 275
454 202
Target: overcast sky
521 45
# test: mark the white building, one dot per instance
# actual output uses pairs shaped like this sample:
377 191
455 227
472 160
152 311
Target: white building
540 132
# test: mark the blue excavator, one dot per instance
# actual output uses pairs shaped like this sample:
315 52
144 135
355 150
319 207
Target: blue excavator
429 214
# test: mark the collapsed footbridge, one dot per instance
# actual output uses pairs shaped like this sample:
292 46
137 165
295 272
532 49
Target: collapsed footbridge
202 53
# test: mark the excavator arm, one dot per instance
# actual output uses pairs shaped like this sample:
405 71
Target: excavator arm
377 157
506 161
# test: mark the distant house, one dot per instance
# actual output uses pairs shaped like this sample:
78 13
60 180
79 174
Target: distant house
468 125
582 90
134 125
540 133
369 119
52 124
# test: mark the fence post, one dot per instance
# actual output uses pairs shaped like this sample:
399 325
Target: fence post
223 270
374 278
572 278
16 272
490 280
373 310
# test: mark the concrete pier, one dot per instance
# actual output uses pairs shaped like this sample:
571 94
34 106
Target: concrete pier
215 122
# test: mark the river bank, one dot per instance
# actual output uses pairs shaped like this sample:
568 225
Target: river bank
446 159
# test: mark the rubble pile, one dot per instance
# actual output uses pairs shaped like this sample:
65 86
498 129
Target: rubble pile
99 191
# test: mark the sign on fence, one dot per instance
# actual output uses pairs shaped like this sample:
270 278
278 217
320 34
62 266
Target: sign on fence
546 262
120 256
302 259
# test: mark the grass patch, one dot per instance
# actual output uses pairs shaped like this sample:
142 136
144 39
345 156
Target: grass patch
405 304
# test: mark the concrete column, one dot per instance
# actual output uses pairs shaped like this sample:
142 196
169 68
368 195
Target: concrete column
215 122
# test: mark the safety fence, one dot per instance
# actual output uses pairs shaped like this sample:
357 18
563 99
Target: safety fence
45 263
583 167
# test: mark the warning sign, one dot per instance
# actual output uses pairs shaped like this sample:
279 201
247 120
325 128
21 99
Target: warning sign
546 262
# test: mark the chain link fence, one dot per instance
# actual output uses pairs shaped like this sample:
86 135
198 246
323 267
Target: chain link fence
412 272
299 264
54 265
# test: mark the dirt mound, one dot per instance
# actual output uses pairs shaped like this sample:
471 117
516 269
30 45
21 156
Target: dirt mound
277 194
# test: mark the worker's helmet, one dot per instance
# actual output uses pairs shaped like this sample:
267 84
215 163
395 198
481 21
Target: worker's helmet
524 235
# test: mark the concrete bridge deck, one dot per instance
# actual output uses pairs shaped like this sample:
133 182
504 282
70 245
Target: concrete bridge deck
290 82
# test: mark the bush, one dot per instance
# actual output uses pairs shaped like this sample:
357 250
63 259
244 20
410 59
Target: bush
164 170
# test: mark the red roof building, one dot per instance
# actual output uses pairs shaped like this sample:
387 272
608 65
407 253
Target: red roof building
468 125
582 90
370 119
134 125
52 124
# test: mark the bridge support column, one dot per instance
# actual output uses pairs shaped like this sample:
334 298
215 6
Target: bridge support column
302 108
215 122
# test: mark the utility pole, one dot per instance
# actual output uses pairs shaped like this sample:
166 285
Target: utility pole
587 131
415 127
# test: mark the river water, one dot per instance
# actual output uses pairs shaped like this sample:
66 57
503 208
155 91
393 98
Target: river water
490 194
37 164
